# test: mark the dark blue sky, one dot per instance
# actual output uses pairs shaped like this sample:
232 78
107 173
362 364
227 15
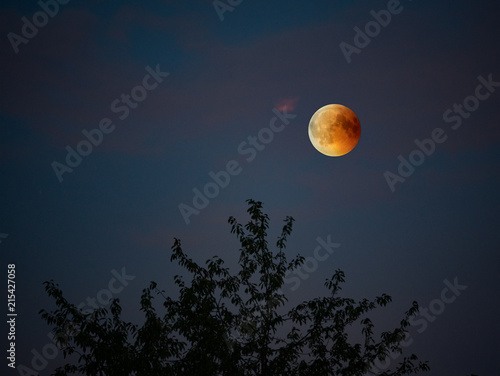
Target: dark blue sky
104 63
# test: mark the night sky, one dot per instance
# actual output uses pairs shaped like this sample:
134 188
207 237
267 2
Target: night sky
116 117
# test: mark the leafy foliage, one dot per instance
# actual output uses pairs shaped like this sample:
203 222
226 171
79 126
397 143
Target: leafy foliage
230 324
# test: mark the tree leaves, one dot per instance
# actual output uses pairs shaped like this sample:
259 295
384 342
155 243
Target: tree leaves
230 323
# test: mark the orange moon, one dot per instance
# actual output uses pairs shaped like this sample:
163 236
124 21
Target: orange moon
334 130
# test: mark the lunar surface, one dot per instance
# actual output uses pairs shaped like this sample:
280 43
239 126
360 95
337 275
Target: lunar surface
334 130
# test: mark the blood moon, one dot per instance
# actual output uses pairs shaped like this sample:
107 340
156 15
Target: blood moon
334 130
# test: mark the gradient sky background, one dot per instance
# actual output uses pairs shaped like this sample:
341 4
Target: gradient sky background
119 207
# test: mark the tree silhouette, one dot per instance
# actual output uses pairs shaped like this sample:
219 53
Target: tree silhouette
230 324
